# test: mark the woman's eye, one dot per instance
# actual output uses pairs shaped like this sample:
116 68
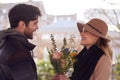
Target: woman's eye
85 31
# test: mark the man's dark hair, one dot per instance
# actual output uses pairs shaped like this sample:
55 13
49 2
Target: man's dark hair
23 12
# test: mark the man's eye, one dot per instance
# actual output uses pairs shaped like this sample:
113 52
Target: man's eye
84 31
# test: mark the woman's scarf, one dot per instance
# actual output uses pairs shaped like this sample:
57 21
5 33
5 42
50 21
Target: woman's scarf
86 62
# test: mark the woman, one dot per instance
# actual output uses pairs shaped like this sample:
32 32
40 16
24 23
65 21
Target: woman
94 61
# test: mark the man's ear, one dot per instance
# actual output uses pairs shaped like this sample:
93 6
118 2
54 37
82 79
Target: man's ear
21 26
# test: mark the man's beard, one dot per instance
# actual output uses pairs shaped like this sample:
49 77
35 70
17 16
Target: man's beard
28 35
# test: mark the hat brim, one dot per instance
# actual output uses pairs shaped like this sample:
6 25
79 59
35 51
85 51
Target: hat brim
89 29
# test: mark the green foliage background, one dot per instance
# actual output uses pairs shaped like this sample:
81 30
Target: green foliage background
116 69
45 70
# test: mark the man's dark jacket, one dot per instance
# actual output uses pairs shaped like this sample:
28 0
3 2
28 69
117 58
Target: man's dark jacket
15 53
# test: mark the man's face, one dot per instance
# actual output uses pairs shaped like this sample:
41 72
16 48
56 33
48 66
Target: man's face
32 26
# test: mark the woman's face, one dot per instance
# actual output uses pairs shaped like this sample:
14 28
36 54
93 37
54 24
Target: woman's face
87 39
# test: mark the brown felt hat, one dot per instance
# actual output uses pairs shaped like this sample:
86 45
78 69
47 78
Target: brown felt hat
95 26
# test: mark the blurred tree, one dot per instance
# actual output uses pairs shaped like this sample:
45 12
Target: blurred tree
111 16
117 68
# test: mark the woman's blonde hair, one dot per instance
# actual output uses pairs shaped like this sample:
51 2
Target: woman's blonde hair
105 46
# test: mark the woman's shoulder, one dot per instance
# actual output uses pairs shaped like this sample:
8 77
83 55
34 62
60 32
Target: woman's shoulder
105 59
103 69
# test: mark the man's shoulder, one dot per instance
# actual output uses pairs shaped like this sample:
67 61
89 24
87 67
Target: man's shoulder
12 44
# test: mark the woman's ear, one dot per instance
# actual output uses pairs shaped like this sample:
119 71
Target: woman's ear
96 37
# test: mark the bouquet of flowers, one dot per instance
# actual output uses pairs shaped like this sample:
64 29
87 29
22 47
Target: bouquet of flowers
62 59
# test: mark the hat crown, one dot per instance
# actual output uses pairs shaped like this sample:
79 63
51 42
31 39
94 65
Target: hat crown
99 25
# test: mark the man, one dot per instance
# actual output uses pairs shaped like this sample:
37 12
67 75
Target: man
5 73
15 49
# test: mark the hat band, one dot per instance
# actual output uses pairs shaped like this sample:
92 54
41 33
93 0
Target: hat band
94 28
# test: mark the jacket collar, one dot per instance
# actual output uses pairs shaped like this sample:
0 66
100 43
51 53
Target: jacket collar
14 34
